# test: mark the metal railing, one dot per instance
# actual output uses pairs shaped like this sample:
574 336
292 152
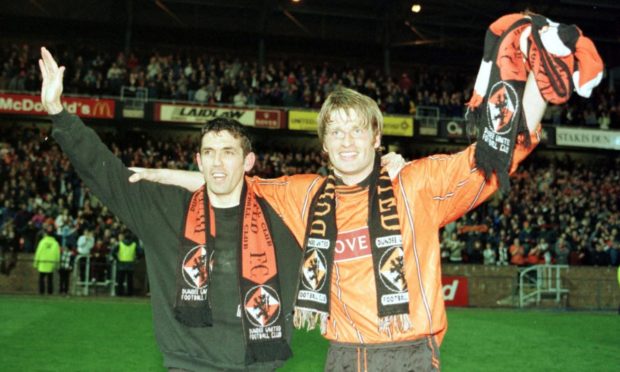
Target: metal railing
540 281
83 284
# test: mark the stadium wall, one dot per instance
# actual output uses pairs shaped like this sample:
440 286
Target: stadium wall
24 279
590 288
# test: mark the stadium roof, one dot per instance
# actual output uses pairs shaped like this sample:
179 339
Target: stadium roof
446 28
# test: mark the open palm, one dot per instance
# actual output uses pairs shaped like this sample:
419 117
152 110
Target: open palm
51 88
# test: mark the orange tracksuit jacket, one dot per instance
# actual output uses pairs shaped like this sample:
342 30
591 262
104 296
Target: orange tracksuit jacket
430 193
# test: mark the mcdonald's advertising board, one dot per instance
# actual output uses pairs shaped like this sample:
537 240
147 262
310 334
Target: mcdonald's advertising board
24 104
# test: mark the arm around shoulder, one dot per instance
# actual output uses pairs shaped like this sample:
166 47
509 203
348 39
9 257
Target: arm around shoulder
189 180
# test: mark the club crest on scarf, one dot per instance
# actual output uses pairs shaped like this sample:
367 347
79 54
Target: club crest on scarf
392 274
503 103
314 270
262 306
195 270
502 107
316 265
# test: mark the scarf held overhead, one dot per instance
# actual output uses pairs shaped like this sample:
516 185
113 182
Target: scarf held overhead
259 293
313 297
559 56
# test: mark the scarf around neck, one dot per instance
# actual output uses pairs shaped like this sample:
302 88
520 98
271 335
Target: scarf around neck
259 293
313 296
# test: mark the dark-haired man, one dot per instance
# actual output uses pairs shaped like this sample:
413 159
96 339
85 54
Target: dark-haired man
221 284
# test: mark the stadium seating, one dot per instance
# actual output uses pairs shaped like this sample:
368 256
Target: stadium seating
224 79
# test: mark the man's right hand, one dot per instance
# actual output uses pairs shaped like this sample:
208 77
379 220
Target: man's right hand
51 88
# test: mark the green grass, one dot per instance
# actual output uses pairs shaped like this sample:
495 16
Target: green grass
102 334
531 340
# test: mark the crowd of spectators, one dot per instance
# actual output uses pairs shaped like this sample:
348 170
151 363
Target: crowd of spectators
558 211
212 78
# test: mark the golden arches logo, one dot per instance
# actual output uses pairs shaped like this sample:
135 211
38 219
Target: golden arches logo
103 109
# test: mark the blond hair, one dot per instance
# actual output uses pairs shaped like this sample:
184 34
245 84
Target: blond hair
348 99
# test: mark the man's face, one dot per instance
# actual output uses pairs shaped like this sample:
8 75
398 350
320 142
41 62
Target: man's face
350 146
223 165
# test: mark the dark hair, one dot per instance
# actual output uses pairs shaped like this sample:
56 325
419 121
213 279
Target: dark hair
232 126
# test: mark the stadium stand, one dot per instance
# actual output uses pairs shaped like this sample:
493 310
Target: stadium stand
224 79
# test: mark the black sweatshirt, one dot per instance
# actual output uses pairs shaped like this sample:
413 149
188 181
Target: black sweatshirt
155 213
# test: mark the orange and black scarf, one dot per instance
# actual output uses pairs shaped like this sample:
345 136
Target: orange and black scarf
562 60
260 297
312 304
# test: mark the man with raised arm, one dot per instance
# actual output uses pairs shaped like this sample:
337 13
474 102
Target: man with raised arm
222 282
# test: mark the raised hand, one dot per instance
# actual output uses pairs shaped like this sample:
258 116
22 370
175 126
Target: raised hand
51 88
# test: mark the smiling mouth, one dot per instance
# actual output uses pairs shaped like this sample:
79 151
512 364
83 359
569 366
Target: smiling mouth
348 155
218 175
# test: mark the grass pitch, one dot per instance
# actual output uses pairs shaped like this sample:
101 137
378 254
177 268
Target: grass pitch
94 334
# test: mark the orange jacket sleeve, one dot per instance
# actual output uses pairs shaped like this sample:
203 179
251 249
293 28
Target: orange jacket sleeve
451 185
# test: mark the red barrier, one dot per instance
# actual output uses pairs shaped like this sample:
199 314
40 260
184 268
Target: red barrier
455 290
